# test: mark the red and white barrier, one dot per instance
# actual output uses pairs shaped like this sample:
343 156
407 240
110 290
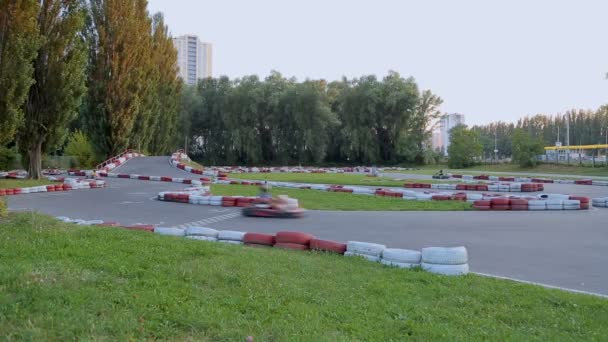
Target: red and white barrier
69 184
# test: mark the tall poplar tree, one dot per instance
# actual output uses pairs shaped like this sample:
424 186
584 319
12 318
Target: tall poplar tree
18 45
59 74
120 33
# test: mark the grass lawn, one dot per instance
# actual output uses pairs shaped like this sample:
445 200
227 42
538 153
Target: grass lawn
504 169
323 200
67 282
22 183
328 178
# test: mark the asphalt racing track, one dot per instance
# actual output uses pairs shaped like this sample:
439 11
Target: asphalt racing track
567 249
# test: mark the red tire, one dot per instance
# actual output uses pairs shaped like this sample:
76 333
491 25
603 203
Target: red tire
166 179
17 191
2 192
482 203
582 199
499 201
143 177
519 207
482 207
294 237
481 187
501 207
49 188
295 246
144 227
58 187
10 192
257 245
259 239
518 202
328 246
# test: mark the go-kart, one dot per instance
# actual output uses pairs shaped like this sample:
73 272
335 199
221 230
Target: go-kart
438 176
263 208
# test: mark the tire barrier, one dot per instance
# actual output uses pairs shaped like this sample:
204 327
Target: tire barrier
327 246
117 160
530 180
445 260
601 202
367 250
402 258
496 187
548 202
201 181
70 184
448 261
293 240
259 239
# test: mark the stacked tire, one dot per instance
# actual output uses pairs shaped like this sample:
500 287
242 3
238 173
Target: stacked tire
537 205
327 246
499 203
445 260
258 240
231 237
402 258
201 233
584 201
367 250
170 231
601 202
518 204
482 204
293 240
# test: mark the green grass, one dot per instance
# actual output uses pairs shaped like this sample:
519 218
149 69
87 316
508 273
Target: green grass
327 178
22 183
322 200
504 169
66 282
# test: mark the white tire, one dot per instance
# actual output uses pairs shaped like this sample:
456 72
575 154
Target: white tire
169 231
233 242
537 203
365 256
397 264
555 207
401 255
201 231
201 238
450 270
537 207
231 235
372 249
445 255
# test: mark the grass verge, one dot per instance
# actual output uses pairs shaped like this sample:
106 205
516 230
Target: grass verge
328 178
22 183
67 282
322 200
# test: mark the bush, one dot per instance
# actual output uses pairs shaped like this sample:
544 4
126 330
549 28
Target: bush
81 149
8 158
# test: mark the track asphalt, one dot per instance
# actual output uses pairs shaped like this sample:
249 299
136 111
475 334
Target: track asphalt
565 249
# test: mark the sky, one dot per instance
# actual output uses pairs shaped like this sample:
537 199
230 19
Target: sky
490 60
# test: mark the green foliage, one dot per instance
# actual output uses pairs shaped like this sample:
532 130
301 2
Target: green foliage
18 43
121 75
81 148
114 284
464 147
8 158
59 72
526 148
282 121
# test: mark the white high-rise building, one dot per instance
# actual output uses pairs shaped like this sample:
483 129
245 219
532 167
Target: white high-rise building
194 58
448 122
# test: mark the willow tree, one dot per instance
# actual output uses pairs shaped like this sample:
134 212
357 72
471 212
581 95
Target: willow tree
18 45
120 33
59 74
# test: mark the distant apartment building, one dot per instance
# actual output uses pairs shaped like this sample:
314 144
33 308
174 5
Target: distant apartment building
448 122
436 141
194 58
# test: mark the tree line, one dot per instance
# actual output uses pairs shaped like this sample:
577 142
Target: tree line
586 127
281 121
103 66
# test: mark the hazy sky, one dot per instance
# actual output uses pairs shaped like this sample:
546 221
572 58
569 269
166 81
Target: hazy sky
490 60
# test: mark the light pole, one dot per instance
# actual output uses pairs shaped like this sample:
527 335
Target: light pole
495 148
